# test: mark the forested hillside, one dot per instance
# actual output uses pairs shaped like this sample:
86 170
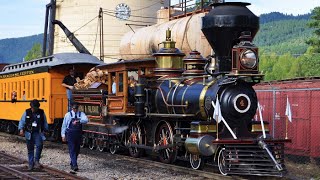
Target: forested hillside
13 50
284 53
281 33
277 16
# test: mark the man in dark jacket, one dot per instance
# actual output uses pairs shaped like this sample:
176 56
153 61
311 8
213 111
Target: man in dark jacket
68 82
32 124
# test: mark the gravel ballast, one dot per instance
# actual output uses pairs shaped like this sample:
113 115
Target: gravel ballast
93 164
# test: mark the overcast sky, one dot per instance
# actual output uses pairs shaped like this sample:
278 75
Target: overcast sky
294 7
26 17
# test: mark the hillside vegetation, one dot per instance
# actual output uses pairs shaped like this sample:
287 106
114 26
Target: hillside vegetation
277 16
13 50
282 34
284 52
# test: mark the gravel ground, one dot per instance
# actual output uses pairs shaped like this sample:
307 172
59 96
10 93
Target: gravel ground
96 165
102 166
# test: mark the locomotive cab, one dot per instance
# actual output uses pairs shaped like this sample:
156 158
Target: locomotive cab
122 75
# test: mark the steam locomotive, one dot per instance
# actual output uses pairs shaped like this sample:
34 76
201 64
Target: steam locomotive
171 112
190 107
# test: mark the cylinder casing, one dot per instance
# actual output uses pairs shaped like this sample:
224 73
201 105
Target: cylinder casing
201 145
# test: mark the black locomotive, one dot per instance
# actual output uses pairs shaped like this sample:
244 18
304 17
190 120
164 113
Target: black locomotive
172 112
189 107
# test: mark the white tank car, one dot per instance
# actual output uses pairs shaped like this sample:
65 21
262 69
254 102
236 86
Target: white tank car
185 31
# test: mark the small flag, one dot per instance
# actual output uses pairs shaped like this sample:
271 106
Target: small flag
217 111
288 110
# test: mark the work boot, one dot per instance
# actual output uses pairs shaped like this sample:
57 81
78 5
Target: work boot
76 168
30 168
37 165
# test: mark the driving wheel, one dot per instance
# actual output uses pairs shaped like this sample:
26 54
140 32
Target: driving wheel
164 138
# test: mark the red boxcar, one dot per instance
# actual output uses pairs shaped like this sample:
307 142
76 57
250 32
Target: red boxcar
304 98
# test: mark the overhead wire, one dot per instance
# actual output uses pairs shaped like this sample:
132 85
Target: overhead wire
86 24
158 1
95 41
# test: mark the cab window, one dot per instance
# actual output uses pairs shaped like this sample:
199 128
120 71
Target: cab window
121 82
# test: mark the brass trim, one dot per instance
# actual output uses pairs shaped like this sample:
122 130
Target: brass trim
156 95
173 95
169 44
170 87
171 115
198 129
182 99
166 103
258 128
201 98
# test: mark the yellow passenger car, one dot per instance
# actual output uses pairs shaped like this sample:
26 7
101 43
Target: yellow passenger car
39 79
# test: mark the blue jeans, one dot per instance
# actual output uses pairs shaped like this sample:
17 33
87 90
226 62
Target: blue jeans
69 96
36 139
74 141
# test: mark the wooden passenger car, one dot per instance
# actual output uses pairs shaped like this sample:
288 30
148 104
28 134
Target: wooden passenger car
39 79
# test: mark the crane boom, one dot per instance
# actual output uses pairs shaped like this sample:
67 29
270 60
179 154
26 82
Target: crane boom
76 43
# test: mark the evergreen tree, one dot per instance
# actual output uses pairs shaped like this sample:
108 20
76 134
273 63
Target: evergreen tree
34 53
315 23
311 65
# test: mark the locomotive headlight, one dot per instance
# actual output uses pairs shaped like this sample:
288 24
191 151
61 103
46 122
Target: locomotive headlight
248 59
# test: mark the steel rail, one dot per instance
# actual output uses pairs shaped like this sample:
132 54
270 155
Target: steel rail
13 167
16 173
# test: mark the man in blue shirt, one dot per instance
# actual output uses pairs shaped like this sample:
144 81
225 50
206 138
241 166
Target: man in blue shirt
71 132
32 124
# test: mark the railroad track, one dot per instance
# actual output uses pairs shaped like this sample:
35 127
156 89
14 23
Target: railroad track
177 168
145 161
14 168
207 173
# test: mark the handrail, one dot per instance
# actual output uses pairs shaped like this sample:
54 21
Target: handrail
166 103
